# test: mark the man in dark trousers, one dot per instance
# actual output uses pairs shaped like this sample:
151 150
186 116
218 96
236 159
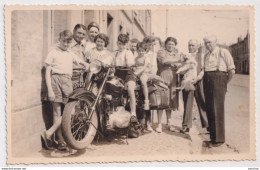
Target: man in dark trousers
193 47
219 69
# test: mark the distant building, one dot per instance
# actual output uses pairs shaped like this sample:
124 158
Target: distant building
33 33
241 54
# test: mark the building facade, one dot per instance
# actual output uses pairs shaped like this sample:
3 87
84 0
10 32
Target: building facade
241 54
33 33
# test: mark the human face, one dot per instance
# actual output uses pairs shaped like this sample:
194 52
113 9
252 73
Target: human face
100 44
210 44
193 47
92 33
133 46
170 46
79 35
141 52
65 43
121 46
150 46
157 46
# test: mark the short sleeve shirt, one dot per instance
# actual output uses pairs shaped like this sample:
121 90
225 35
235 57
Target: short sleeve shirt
104 56
61 61
219 59
124 58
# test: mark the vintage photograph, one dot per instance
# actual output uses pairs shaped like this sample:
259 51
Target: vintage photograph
129 83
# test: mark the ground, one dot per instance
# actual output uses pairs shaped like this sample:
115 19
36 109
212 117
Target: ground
153 143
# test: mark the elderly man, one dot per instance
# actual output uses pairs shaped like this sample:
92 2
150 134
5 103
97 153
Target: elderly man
193 47
219 69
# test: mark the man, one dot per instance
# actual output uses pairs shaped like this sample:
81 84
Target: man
193 47
219 69
78 48
133 46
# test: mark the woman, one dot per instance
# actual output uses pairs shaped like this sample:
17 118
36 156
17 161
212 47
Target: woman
92 31
99 52
167 66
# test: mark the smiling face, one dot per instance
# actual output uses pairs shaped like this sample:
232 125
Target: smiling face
100 44
65 43
141 52
92 33
170 46
121 46
79 34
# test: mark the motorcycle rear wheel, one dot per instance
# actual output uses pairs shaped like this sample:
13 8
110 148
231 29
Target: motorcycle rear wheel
78 129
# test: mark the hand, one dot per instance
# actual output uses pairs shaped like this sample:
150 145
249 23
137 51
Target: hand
51 96
194 81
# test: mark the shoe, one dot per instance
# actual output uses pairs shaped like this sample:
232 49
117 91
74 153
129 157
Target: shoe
215 144
159 128
46 140
149 128
171 128
62 146
185 130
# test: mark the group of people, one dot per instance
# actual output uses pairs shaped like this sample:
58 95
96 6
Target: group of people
206 74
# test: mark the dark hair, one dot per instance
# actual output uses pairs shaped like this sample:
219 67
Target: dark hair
171 39
141 45
93 24
134 40
103 37
66 34
149 39
80 26
123 38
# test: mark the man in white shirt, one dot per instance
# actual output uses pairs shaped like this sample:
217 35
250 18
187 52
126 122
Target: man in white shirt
219 69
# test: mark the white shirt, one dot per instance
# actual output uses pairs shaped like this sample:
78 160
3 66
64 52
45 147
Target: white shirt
124 58
62 61
220 59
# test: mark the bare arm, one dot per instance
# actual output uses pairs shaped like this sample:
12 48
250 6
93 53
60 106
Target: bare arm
51 94
142 69
230 75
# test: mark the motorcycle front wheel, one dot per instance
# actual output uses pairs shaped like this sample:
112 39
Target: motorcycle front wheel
78 129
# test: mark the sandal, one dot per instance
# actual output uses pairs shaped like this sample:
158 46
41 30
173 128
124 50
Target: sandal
46 140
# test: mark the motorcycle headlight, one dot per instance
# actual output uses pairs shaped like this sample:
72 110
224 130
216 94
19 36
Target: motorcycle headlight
95 66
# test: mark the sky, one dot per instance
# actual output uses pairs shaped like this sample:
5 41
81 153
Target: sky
185 24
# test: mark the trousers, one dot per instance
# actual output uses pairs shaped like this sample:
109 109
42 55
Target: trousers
215 88
188 105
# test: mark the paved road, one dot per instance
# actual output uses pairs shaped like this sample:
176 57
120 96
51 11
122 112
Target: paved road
237 132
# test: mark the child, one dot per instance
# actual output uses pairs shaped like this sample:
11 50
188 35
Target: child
189 69
59 64
124 57
142 63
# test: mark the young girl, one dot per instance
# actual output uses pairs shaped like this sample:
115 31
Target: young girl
142 65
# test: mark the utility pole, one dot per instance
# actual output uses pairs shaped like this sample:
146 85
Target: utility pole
166 23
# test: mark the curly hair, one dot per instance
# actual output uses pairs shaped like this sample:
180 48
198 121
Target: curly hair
103 37
123 38
170 39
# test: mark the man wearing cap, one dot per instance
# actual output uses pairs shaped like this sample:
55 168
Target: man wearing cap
219 69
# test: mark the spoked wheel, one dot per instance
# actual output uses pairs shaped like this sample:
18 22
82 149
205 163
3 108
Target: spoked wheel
78 128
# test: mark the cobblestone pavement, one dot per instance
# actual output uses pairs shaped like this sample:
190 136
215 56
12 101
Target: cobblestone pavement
153 143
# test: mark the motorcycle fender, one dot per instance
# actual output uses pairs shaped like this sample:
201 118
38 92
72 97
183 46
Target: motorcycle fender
82 94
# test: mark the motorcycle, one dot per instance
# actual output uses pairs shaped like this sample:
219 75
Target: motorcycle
89 108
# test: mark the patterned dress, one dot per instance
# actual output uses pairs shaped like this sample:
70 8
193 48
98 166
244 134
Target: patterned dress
168 73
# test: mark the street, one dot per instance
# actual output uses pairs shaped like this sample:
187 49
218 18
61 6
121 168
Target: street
153 143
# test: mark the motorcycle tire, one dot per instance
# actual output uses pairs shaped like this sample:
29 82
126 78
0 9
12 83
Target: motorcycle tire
78 132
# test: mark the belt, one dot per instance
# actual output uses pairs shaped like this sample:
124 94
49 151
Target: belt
65 75
215 71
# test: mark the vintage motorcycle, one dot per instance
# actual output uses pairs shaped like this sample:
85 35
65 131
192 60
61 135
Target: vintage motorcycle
89 108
